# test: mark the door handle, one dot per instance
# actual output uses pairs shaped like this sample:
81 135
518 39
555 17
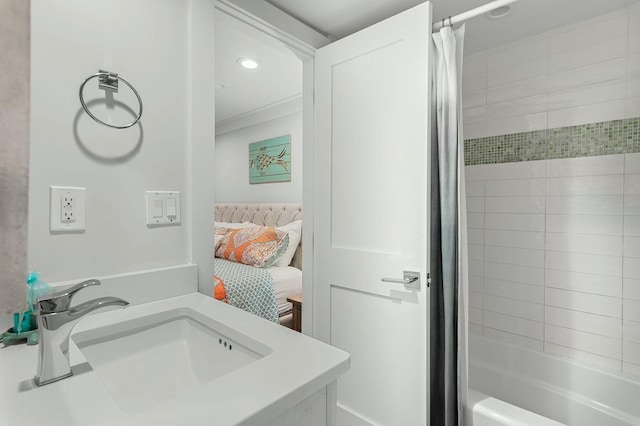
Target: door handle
411 279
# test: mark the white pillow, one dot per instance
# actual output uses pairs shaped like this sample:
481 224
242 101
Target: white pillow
294 230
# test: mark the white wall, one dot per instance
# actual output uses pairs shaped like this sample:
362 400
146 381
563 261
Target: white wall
232 163
577 74
165 49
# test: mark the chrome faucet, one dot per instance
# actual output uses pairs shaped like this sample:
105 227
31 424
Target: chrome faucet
56 319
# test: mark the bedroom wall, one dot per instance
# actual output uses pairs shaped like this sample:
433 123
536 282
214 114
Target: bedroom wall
169 59
232 164
552 141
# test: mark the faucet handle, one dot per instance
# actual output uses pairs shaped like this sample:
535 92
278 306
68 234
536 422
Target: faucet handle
61 300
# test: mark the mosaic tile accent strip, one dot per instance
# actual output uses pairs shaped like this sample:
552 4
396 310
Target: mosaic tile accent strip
587 140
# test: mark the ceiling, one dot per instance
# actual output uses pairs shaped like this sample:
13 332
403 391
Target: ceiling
279 78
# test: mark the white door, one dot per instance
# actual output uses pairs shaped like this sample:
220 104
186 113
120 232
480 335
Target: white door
371 150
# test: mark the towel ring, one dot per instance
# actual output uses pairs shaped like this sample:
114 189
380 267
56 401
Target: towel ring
109 81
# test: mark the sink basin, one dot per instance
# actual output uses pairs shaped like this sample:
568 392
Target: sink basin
155 358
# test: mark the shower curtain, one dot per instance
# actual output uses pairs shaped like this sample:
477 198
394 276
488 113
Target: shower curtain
449 288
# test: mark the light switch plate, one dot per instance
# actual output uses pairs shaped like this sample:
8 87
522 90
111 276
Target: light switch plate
162 208
66 209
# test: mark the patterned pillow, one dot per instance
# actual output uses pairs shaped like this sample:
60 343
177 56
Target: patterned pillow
259 246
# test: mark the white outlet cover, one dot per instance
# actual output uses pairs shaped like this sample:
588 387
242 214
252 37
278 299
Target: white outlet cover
56 194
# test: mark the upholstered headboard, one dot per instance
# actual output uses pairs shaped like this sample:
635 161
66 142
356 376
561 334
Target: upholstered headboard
277 214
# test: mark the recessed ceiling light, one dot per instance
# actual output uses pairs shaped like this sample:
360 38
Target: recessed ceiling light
499 12
248 63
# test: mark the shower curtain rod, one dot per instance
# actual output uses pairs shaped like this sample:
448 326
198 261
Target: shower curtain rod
471 13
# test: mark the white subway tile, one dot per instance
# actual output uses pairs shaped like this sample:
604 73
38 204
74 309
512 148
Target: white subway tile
582 356
632 163
523 170
475 188
589 34
517 187
473 173
632 246
631 352
516 239
517 124
630 368
631 331
585 224
476 300
633 86
476 268
514 308
475 204
584 302
585 114
586 166
522 50
585 185
588 74
587 263
589 22
476 252
632 184
475 130
520 326
475 64
518 106
515 256
476 316
476 329
632 205
471 83
584 204
583 321
631 268
632 107
515 273
587 342
634 44
475 220
515 204
474 99
582 282
515 339
513 290
634 19
607 245
517 71
476 284
476 114
517 90
590 54
631 288
475 236
632 226
587 95
515 222
633 66
631 309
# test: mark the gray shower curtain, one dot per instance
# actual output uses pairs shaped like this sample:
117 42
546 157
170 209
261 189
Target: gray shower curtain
449 288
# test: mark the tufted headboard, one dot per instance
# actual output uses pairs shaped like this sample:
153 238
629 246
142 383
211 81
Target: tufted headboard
276 214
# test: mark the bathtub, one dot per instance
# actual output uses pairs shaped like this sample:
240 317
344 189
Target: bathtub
516 386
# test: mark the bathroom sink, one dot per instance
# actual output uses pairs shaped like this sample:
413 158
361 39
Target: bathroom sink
159 357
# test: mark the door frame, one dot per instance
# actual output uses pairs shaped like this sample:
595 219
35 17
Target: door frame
303 42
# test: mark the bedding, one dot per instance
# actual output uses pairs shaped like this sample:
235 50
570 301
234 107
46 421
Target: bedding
258 246
287 282
245 287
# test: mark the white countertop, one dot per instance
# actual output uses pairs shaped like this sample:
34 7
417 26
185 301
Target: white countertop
297 367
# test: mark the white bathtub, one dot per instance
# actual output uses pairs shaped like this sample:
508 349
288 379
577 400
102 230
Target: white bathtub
522 382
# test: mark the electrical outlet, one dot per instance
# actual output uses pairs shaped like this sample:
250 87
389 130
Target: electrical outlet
67 206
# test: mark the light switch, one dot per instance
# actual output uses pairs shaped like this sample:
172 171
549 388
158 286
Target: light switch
163 208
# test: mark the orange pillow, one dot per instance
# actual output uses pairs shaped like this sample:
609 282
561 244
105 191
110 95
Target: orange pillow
259 246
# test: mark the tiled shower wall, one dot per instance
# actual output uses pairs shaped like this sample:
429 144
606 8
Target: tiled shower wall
553 191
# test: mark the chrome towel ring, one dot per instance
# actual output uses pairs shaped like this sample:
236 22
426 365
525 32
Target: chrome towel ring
109 81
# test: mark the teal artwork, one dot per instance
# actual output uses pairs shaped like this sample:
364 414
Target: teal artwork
270 160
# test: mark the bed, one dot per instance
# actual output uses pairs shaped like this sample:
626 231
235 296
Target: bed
287 279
